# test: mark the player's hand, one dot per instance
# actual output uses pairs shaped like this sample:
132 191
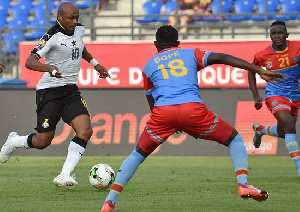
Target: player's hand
258 103
103 73
54 72
1 67
271 76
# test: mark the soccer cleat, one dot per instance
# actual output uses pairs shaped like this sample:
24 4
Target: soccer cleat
9 147
65 181
108 206
252 192
257 136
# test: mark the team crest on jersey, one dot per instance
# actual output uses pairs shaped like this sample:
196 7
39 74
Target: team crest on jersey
274 103
46 124
269 64
41 44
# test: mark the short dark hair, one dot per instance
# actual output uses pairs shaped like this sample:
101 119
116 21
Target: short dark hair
278 23
167 34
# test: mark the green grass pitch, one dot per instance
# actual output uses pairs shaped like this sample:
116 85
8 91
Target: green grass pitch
160 184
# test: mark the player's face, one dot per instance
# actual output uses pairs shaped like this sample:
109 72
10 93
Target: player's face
278 35
69 20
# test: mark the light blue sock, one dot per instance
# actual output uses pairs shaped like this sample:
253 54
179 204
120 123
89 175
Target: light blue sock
125 173
293 148
239 159
270 130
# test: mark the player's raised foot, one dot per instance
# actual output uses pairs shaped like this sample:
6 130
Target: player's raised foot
65 181
9 147
108 206
257 136
252 192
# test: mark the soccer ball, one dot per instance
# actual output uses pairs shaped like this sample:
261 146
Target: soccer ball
101 176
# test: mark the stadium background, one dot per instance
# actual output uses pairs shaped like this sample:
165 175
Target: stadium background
118 107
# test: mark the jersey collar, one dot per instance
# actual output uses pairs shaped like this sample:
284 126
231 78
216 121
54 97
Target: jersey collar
286 48
62 29
168 49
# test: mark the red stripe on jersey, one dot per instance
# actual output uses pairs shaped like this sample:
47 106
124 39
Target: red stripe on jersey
199 54
148 85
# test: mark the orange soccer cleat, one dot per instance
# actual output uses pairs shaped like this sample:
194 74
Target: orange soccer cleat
252 192
108 206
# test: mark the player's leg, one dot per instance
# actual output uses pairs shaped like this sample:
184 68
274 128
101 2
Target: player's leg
47 119
274 104
154 134
82 127
129 166
287 121
75 113
212 127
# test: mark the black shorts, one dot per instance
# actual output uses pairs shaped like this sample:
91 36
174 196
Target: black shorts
61 102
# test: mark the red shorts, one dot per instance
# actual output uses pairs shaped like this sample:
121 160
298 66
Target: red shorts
277 103
193 118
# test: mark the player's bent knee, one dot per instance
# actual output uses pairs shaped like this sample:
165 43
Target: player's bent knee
146 145
86 134
233 136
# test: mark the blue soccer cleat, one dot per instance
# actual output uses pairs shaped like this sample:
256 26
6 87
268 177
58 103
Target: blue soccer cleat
257 136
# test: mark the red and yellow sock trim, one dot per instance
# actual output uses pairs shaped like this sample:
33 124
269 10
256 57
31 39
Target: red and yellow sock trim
295 154
241 172
268 130
117 187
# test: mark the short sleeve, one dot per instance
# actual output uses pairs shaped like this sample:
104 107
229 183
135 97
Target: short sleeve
148 85
201 57
256 61
43 46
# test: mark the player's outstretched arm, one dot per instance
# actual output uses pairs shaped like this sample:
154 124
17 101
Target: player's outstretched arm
103 73
34 64
220 58
1 67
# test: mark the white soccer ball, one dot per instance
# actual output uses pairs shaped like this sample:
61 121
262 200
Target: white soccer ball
101 176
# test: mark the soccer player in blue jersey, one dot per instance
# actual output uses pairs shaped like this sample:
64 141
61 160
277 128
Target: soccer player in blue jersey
171 86
282 99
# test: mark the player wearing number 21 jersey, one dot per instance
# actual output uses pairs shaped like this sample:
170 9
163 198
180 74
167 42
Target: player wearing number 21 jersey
171 86
282 99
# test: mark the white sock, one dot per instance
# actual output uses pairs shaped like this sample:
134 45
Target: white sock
22 142
75 153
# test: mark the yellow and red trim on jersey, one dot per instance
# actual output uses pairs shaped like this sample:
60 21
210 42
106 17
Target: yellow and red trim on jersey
156 137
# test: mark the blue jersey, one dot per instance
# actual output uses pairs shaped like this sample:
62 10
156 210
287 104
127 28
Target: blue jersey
171 76
286 62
